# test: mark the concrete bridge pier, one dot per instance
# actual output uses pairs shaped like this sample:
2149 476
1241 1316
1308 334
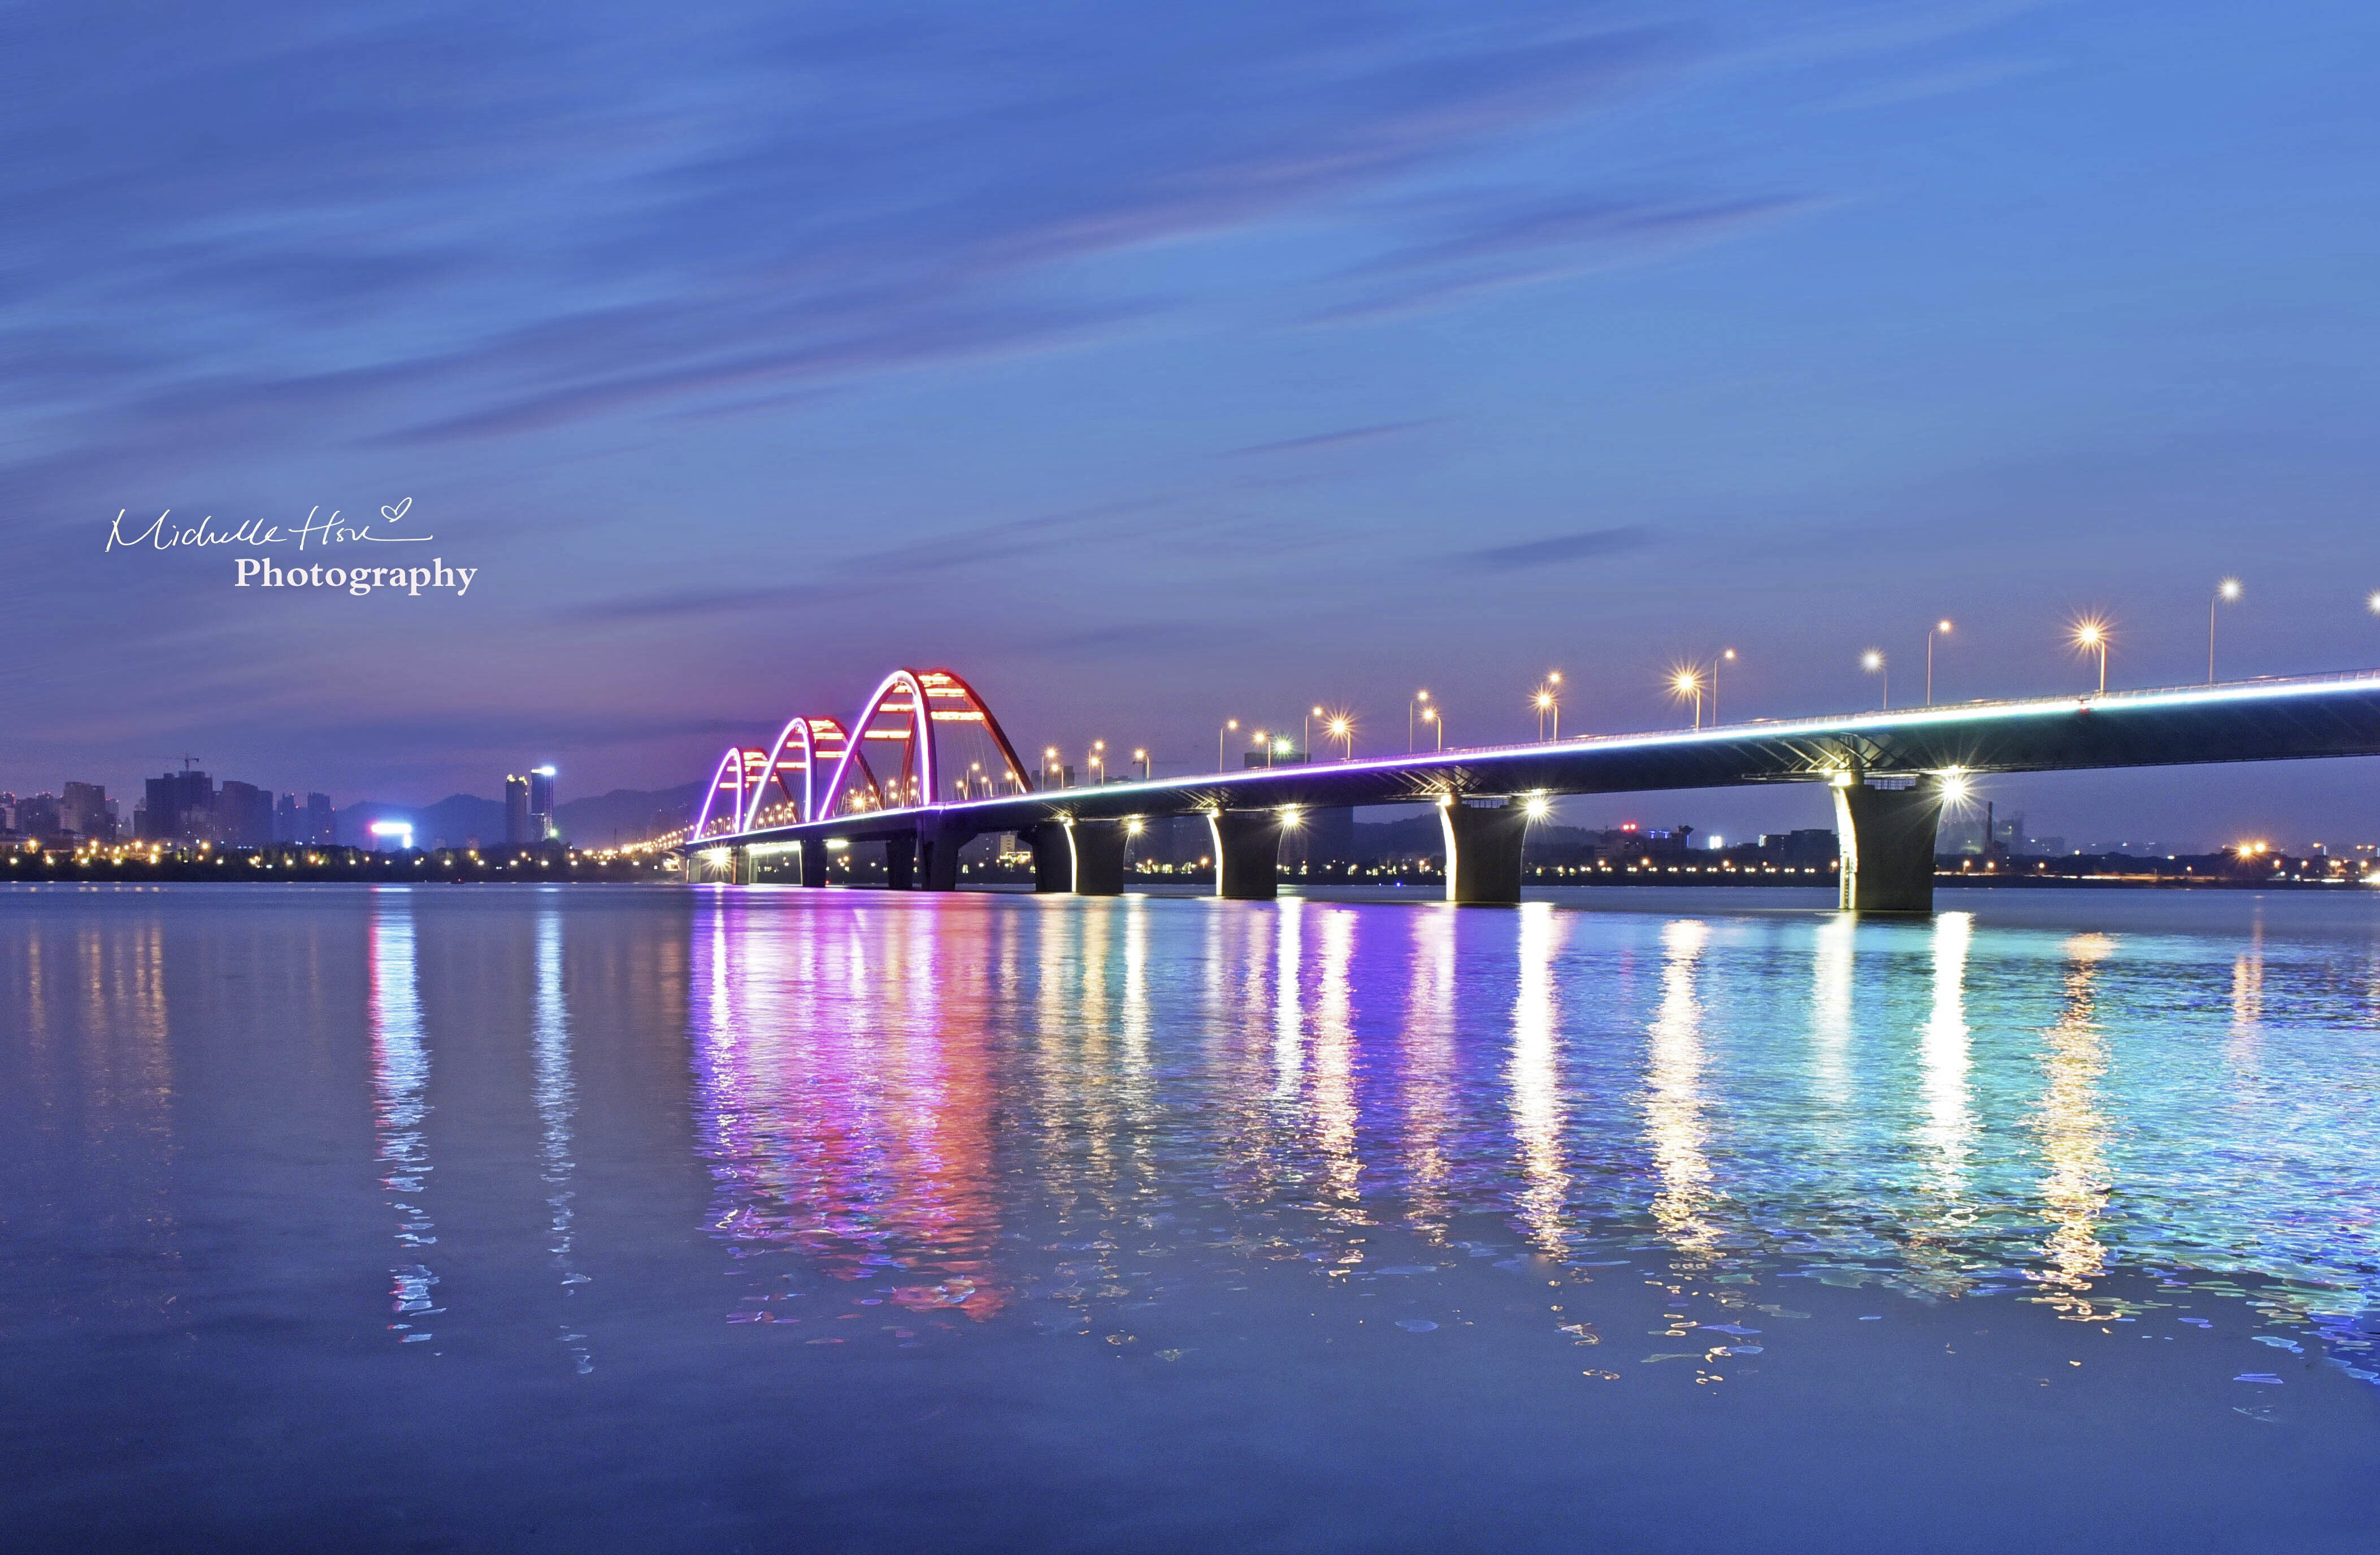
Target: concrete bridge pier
1053 856
1887 839
1098 855
1247 853
938 849
813 852
901 861
1483 852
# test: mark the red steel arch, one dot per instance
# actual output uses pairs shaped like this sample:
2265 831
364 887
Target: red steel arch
739 773
907 709
791 767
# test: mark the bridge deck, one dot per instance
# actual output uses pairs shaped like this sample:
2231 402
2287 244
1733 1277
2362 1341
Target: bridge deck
2255 720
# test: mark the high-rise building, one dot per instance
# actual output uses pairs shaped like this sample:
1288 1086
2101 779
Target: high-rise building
37 815
181 807
84 811
516 832
540 806
243 815
286 825
320 828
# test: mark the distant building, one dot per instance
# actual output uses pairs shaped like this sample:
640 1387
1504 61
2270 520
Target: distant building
285 819
37 815
318 826
181 807
540 806
243 815
517 821
84 810
1811 845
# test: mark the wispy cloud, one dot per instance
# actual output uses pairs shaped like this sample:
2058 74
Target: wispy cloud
1557 549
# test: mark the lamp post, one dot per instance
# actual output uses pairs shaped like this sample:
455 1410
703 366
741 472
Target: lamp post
1725 655
2226 592
1418 700
1342 729
1099 761
1142 758
1264 743
1049 773
1873 662
1687 684
1429 716
2091 636
1229 725
1939 629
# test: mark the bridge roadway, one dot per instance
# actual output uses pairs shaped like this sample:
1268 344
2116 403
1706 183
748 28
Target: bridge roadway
1890 773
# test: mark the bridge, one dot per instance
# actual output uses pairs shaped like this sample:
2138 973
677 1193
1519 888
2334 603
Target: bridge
893 777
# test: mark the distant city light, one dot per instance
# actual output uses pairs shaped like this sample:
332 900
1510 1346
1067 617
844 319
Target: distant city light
399 829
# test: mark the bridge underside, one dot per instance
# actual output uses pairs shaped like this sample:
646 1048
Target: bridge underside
1891 774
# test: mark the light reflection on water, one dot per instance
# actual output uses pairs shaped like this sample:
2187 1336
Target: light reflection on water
939 1102
905 1223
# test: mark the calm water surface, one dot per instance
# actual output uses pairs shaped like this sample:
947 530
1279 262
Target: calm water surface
644 1218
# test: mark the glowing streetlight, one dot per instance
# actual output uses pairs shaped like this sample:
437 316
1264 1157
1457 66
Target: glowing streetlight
1688 683
1544 701
1941 630
1311 715
1873 662
1726 656
1421 699
2091 636
2226 592
1230 725
2372 604
1264 743
1099 761
1342 729
1142 758
1050 769
1429 716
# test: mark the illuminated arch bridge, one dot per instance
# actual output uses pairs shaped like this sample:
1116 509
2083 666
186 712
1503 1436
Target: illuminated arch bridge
924 767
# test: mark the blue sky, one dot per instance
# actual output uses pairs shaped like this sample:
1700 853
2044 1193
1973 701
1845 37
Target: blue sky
1154 365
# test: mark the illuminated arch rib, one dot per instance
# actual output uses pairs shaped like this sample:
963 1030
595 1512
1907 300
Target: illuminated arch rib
791 769
900 722
739 773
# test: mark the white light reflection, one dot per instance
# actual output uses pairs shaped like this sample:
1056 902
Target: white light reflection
1830 1009
1428 1067
557 1106
1334 1062
1287 1017
2074 1131
1674 1099
1536 1076
400 1110
1948 1135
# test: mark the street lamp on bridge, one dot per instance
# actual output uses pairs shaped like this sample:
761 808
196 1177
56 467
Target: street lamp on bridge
2091 636
1342 729
1429 716
1142 758
1229 725
1547 701
1421 699
1873 662
1686 685
1939 629
2226 592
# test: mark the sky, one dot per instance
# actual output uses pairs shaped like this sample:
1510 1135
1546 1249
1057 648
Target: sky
1151 366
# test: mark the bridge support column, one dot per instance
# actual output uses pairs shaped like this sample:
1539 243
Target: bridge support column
1099 856
1053 856
1483 852
1886 836
901 862
1247 853
938 848
814 862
